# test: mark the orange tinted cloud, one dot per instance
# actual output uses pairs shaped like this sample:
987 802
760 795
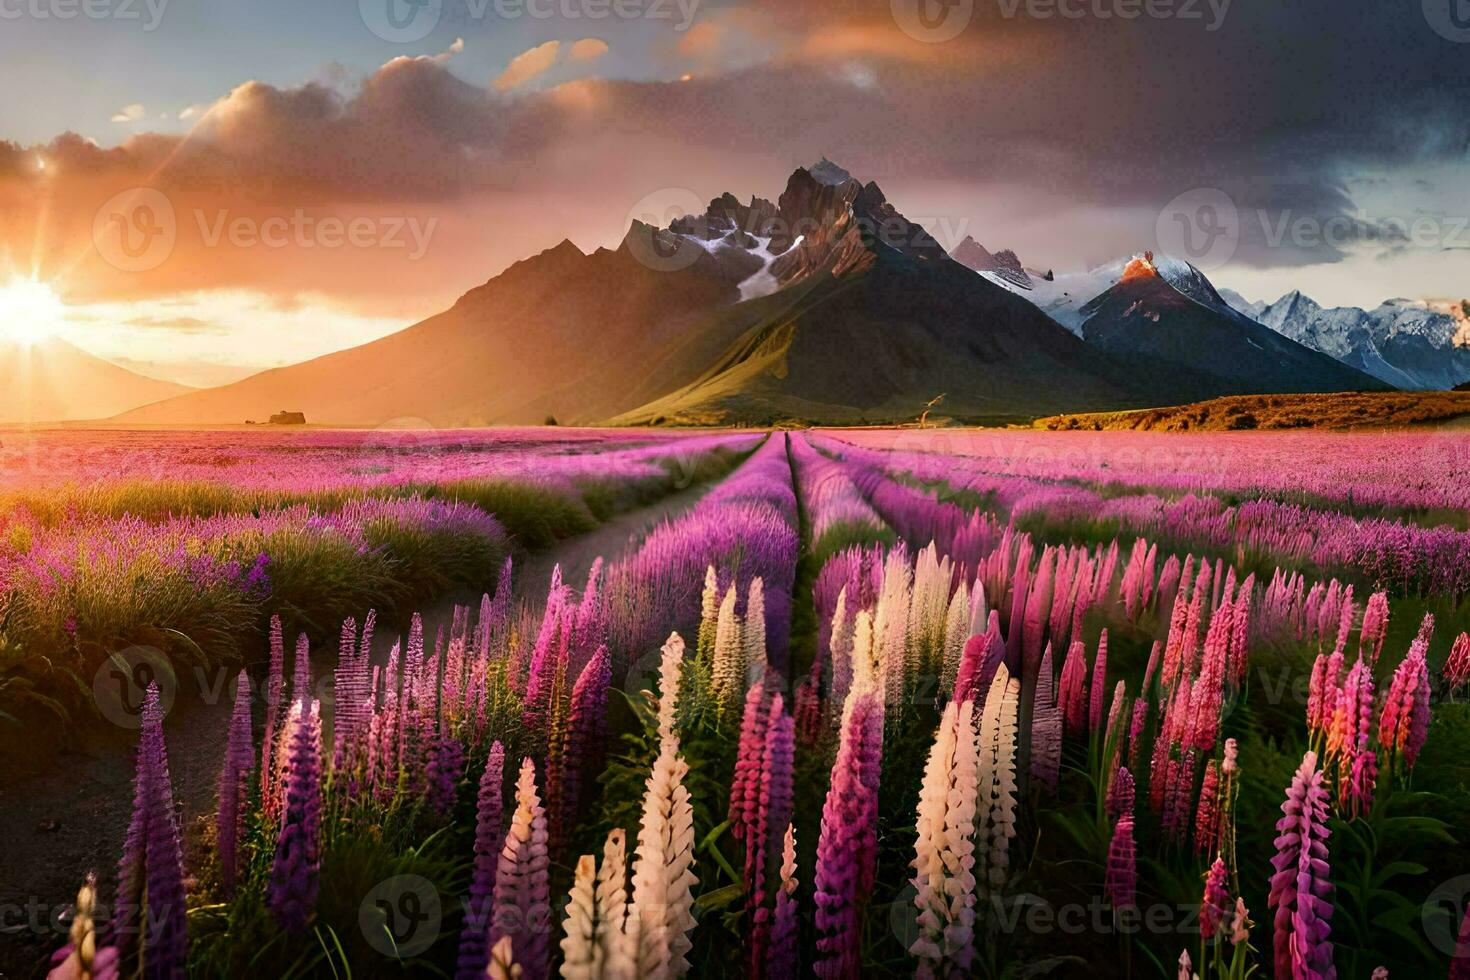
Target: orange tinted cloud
527 65
588 49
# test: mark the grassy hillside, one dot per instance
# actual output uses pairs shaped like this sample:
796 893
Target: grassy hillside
1344 410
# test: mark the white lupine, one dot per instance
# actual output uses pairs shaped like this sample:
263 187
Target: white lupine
864 663
661 914
979 610
502 961
594 945
956 632
944 858
841 647
754 635
728 676
996 813
709 613
890 627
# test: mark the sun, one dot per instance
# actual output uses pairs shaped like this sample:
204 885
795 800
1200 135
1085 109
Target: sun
29 312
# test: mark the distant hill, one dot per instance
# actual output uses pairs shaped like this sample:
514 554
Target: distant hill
54 381
1367 410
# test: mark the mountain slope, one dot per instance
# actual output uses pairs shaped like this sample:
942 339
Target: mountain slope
1404 343
1180 329
53 381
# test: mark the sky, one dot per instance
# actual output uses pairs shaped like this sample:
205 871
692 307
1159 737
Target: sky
212 187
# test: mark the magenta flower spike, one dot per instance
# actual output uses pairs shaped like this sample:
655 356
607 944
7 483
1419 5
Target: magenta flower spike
1120 794
522 908
1457 666
489 835
233 788
745 784
1217 903
1072 694
847 849
292 892
1404 723
1099 683
1207 814
773 810
1121 883
150 925
586 726
1046 728
1301 887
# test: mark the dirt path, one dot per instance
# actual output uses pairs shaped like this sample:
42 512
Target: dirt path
58 824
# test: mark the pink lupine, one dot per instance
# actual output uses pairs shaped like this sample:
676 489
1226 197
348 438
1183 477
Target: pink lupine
1404 724
239 760
1120 794
1361 779
1216 906
1046 728
847 850
1072 693
1135 730
1457 666
1207 814
292 892
1099 683
773 810
1121 883
982 656
586 727
274 694
1301 887
149 925
745 783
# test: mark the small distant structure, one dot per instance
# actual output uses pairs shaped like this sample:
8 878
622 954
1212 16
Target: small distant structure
288 418
924 418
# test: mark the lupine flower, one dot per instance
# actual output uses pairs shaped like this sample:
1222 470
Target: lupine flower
274 692
1099 683
522 882
773 810
1216 906
149 916
1121 883
1457 666
847 850
1375 626
1072 694
781 962
586 724
745 783
1301 888
944 860
446 766
594 947
996 808
1240 924
1404 724
728 672
1207 815
1120 794
292 891
1186 967
489 837
661 915
239 760
1046 728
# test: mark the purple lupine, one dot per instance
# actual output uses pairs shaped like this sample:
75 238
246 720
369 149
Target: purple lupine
292 891
301 671
781 960
1301 888
847 849
586 724
274 691
150 925
239 759
1121 882
446 766
1120 794
489 835
1217 904
773 810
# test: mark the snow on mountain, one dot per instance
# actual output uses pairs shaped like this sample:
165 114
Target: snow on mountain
1408 343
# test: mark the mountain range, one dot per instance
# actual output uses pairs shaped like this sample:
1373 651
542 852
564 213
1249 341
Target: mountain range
55 381
824 305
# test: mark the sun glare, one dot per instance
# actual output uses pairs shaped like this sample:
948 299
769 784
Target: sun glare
29 312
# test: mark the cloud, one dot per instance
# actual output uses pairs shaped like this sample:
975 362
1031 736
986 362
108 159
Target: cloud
130 113
588 49
527 65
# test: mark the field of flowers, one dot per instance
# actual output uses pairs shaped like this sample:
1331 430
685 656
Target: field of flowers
939 703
